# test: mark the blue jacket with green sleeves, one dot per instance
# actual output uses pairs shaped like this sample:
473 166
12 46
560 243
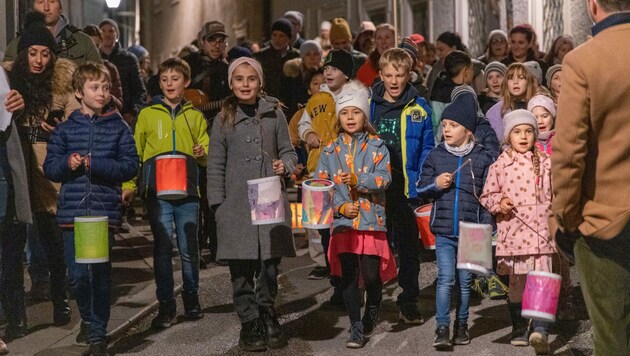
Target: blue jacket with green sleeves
366 156
407 130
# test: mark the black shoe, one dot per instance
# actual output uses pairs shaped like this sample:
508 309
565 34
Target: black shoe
370 319
460 334
318 273
97 349
410 315
166 315
442 341
192 309
273 331
252 337
61 312
356 340
84 333
15 331
520 326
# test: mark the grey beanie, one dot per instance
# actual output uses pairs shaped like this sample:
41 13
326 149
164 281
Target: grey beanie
519 117
494 67
309 46
551 71
534 68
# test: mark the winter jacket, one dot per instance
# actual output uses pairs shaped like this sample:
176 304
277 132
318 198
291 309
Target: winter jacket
108 142
133 89
525 230
406 128
359 58
210 76
10 141
545 145
457 202
486 102
240 153
367 157
485 136
295 73
162 130
272 62
366 74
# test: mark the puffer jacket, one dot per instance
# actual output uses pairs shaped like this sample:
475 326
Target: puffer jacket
367 157
133 89
459 201
109 143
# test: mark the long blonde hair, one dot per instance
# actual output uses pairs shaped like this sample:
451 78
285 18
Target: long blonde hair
516 69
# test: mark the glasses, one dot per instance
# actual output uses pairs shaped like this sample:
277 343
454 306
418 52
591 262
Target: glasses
216 40
498 40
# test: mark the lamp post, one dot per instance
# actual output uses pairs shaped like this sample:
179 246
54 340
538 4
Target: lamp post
113 4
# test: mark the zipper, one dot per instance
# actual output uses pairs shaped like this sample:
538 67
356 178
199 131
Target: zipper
173 116
89 154
455 212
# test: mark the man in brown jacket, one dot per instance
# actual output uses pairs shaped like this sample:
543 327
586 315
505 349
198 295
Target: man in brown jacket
590 171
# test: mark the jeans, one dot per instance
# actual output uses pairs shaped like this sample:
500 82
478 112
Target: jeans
183 214
402 233
92 287
36 256
446 254
248 296
604 270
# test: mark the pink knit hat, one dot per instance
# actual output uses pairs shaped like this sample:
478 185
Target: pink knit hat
544 101
246 60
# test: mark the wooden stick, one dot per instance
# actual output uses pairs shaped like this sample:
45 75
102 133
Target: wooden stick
460 167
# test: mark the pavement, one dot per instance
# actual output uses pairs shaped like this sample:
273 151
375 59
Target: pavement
313 325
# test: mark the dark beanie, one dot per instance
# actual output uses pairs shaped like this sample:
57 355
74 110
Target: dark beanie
35 33
282 25
463 110
238 52
340 59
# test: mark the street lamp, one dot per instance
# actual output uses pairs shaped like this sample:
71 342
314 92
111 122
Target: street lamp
113 4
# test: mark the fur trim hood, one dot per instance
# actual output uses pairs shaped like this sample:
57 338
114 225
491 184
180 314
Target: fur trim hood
293 68
62 78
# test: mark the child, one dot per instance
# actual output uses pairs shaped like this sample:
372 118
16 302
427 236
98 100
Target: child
518 193
402 119
494 74
91 154
554 80
358 163
454 188
250 140
518 88
168 126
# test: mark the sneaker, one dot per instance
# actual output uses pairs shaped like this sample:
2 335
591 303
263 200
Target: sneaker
519 337
61 312
84 334
166 316
97 349
370 319
410 315
540 343
442 341
318 273
480 286
496 288
356 340
192 309
460 334
252 337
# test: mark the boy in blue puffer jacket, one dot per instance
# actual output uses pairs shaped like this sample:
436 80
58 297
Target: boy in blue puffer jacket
453 176
91 154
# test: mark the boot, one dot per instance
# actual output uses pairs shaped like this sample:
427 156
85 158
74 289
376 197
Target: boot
61 312
519 326
252 336
356 339
539 339
16 316
192 309
370 319
166 315
273 331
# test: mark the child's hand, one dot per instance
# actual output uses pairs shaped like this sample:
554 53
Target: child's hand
506 205
313 140
278 167
74 161
444 180
86 161
198 151
127 197
348 178
351 210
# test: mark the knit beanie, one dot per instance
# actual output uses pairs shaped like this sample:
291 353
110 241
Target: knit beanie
109 22
295 15
138 51
340 59
35 33
340 30
544 101
367 26
238 52
325 25
497 33
282 25
518 117
551 71
534 69
408 45
310 46
494 67
462 110
252 62
353 93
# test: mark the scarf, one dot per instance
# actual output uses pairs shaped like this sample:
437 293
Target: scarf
462 150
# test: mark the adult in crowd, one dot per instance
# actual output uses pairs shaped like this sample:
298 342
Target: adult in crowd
521 48
589 176
446 43
559 48
45 83
70 42
133 88
297 70
324 37
364 42
96 35
272 59
144 62
422 66
496 47
297 21
341 38
384 39
237 52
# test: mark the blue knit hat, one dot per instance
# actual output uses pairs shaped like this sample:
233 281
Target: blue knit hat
463 110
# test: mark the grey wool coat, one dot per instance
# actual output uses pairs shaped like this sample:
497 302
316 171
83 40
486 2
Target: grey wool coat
234 157
11 139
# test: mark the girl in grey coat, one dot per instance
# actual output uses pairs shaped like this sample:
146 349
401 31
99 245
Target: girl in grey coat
250 140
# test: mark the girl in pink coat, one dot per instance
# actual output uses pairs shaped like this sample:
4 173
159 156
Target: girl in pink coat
518 193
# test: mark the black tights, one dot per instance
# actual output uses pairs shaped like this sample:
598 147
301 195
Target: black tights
370 273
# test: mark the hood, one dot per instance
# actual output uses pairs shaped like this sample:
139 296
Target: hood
158 102
80 118
293 68
62 76
409 94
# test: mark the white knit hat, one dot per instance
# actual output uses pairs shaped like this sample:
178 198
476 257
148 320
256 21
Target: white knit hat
519 117
354 94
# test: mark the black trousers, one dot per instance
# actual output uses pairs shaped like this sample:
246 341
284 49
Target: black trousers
368 268
51 238
254 285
